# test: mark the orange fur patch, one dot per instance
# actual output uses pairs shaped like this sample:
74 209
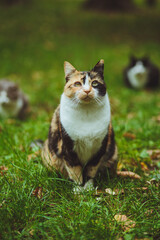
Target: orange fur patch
70 90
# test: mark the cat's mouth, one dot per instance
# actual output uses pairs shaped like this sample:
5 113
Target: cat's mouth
87 99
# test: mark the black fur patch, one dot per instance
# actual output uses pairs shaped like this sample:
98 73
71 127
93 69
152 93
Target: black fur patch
84 79
99 68
111 146
101 89
96 158
53 139
68 153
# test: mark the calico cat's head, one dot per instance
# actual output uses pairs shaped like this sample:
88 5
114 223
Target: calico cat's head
85 86
8 92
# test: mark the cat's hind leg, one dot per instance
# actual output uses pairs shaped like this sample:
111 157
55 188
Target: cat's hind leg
51 161
109 165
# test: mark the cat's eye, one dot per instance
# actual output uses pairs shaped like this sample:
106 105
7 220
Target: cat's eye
77 84
94 83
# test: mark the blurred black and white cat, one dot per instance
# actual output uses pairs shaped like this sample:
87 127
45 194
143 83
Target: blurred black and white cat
13 102
141 73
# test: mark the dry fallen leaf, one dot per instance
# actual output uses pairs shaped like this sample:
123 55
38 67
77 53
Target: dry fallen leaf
38 192
154 181
144 166
1 204
99 192
142 239
126 223
3 170
143 189
108 191
154 154
31 232
129 135
128 174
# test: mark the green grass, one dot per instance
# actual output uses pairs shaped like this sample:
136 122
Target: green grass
35 40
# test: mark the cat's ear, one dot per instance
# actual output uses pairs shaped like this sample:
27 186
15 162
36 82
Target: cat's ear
68 69
133 59
99 67
145 60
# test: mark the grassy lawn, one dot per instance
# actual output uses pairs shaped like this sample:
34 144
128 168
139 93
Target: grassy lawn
35 40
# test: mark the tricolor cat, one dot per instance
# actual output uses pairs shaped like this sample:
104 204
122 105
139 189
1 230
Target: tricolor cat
81 139
13 102
141 73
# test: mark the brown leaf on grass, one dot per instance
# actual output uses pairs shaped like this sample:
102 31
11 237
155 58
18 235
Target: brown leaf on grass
38 192
31 232
144 166
126 223
104 192
3 170
142 239
1 204
99 192
154 182
33 155
142 189
154 154
129 135
109 191
128 174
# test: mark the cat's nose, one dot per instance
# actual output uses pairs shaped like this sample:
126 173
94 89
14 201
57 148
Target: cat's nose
87 91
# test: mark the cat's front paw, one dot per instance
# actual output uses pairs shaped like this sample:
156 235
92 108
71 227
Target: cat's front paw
78 190
89 185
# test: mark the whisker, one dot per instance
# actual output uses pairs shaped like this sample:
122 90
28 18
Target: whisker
98 100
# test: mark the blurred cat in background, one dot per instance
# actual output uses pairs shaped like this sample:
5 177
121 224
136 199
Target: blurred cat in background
13 102
141 73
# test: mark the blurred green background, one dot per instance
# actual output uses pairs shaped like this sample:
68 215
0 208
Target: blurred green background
36 37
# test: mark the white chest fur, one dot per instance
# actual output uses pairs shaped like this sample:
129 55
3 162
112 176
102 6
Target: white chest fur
137 75
87 125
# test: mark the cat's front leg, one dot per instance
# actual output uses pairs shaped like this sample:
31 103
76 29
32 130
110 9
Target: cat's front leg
89 175
75 173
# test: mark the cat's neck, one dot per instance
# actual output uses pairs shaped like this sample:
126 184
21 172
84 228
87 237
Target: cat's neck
85 120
